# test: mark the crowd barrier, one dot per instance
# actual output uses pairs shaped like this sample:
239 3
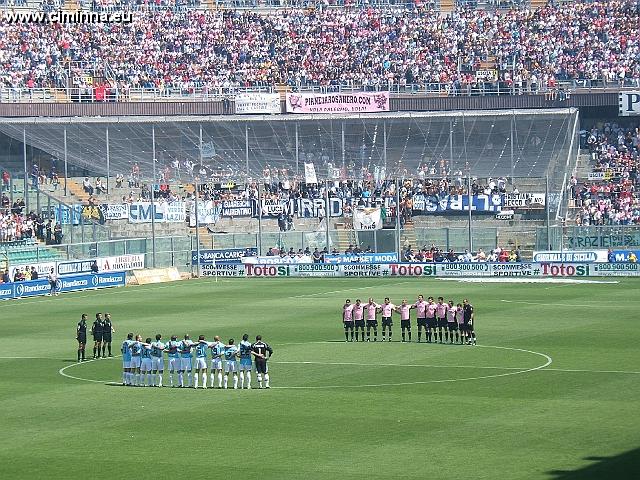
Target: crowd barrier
529 270
69 283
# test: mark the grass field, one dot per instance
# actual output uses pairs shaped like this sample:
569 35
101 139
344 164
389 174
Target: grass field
379 411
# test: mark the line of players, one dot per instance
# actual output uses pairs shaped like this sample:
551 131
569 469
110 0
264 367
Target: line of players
441 322
143 362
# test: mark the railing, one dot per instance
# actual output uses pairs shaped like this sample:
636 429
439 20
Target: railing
203 94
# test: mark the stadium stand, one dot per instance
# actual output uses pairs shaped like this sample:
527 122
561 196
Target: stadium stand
610 197
188 51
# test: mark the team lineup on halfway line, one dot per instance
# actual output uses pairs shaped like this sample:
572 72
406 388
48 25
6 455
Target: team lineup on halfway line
440 321
143 361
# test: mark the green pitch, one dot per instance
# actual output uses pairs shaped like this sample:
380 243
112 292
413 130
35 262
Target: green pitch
551 391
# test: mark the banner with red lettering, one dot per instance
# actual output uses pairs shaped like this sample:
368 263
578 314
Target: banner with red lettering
357 102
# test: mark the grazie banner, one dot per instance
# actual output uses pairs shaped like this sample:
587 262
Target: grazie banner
356 102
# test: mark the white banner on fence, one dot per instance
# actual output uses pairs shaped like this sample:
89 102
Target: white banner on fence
505 215
140 212
115 211
258 103
43 269
524 200
208 212
367 218
120 263
310 173
583 256
490 75
608 175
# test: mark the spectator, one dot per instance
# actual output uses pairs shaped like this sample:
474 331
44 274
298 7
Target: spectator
412 48
86 185
57 233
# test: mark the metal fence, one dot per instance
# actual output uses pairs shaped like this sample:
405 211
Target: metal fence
204 94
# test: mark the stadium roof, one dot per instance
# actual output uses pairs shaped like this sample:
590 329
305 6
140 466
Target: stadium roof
243 145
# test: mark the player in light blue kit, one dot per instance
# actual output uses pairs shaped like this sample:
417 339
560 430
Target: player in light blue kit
134 366
245 362
146 365
185 361
172 349
157 360
127 377
231 353
201 361
217 352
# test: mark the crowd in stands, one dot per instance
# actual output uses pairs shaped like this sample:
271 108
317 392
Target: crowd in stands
435 254
368 48
16 225
612 199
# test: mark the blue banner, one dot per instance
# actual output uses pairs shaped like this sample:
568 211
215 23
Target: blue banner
64 215
222 256
432 204
6 291
69 283
362 258
625 256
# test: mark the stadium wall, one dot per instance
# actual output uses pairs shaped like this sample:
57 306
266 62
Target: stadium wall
397 104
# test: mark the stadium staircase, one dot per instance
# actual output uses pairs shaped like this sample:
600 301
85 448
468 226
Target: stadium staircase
536 4
584 166
76 190
408 235
346 235
447 6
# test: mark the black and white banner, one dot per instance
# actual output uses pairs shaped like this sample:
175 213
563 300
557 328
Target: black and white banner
524 200
115 211
268 103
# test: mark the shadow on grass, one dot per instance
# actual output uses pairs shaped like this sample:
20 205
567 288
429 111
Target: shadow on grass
619 467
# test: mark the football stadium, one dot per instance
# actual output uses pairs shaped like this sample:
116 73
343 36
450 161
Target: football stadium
356 239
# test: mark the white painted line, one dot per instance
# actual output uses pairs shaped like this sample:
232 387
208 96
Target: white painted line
28 358
513 370
349 290
564 304
62 372
397 365
578 370
548 362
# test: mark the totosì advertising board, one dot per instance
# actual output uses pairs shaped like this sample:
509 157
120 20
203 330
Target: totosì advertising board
452 270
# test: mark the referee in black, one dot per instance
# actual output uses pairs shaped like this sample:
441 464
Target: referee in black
107 330
81 336
261 352
96 331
